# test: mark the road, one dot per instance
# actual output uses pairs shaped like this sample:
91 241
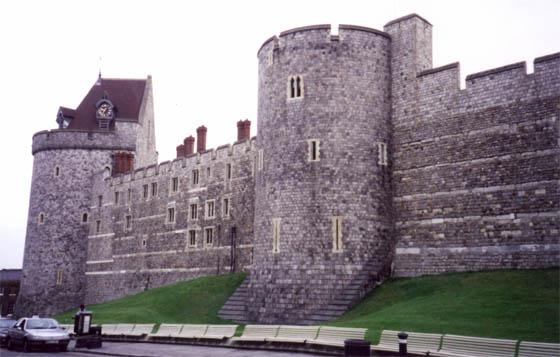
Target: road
135 349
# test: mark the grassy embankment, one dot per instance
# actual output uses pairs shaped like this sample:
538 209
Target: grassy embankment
513 304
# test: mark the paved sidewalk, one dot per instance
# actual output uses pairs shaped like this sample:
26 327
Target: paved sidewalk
136 349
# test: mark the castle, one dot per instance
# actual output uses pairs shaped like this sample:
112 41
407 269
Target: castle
367 163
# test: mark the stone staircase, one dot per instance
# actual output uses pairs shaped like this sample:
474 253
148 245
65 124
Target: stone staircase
235 308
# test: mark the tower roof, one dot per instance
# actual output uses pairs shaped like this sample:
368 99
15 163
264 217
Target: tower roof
125 94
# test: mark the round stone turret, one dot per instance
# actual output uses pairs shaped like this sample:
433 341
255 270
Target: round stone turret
323 194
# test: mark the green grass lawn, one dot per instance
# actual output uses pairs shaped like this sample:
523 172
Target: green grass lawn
512 304
195 301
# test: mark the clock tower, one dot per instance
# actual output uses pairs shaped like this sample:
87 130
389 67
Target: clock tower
105 112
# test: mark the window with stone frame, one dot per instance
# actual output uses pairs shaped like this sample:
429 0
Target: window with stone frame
117 194
313 150
260 162
145 191
210 209
154 189
100 200
276 235
295 87
84 218
228 173
97 226
41 218
193 211
226 207
209 236
195 177
128 223
129 195
337 233
382 157
191 236
170 214
59 276
56 171
174 184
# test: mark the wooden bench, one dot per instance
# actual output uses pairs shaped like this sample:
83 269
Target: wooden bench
335 336
418 343
141 330
120 330
166 330
294 334
191 331
257 333
107 329
219 332
538 349
464 346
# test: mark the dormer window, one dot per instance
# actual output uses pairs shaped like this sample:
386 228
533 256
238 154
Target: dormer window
104 112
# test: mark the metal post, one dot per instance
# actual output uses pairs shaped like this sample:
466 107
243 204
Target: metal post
402 343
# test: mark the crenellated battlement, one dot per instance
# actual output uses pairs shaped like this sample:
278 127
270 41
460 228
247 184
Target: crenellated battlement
227 152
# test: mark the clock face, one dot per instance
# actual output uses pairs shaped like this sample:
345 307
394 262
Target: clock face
104 111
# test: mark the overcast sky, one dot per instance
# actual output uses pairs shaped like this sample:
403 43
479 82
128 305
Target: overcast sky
202 57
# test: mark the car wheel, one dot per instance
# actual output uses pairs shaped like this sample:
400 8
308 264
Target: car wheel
26 347
10 345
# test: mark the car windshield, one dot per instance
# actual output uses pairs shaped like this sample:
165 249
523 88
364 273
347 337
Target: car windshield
41 324
7 323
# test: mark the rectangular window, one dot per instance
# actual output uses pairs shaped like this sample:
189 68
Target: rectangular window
195 177
313 150
192 238
128 222
171 215
260 163
194 211
116 197
145 191
59 277
228 171
154 189
208 174
382 154
225 207
337 233
275 235
174 184
129 195
210 208
97 226
209 234
100 200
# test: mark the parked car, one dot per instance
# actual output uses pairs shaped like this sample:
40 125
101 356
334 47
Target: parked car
5 324
37 333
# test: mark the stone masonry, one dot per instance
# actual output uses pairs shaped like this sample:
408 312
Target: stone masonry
368 162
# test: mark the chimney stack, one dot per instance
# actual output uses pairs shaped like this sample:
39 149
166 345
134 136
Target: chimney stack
243 129
188 144
180 151
201 138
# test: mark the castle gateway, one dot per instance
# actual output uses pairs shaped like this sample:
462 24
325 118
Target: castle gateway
367 163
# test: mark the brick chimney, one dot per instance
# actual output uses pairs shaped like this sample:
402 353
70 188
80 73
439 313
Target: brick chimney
188 143
243 129
201 138
247 129
180 151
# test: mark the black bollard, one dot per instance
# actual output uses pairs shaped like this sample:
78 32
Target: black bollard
402 343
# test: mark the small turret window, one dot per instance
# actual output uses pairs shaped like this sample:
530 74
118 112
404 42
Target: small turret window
313 150
84 217
337 234
276 235
41 218
382 158
57 171
59 277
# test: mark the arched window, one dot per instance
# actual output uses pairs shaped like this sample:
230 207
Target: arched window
295 87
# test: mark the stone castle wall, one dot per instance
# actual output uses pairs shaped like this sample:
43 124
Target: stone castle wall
154 251
345 109
476 171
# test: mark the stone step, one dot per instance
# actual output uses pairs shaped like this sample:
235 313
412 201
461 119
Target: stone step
235 308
